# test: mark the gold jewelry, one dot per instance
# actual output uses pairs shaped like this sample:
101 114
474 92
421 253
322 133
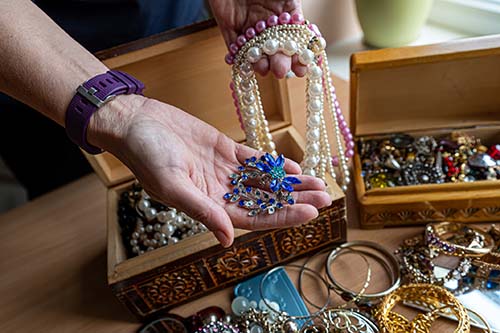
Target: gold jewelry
461 240
428 296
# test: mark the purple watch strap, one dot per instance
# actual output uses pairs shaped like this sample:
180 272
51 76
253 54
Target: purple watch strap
90 96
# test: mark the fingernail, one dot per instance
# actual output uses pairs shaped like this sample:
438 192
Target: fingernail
223 238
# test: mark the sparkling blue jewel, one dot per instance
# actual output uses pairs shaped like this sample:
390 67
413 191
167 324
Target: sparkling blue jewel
241 203
263 158
272 201
253 158
286 186
280 161
244 177
249 189
236 191
263 206
247 161
241 168
491 285
259 202
227 196
291 201
234 182
274 186
292 180
270 160
279 205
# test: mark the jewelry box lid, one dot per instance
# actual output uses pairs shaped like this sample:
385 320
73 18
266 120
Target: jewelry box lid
185 68
454 84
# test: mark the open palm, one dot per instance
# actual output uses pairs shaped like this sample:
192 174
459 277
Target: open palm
184 162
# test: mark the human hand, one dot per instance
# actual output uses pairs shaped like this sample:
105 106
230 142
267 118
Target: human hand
183 162
235 16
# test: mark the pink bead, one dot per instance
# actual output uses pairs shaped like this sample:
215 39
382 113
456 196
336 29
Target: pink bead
335 161
241 40
229 59
250 33
350 144
314 28
272 21
349 136
341 116
235 97
231 86
260 26
284 18
343 124
233 48
236 104
349 153
297 18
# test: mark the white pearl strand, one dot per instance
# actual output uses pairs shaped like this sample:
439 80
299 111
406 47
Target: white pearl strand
291 39
167 223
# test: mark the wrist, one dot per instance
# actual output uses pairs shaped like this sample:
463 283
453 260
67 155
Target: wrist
109 125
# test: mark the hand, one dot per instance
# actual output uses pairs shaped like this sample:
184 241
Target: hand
183 162
235 16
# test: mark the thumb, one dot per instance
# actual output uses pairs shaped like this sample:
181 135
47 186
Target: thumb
197 205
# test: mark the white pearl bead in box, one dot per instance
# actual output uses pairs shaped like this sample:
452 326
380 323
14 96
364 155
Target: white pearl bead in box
289 47
306 57
271 46
254 54
314 72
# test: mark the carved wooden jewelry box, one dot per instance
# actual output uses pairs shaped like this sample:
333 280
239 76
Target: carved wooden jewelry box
185 68
427 90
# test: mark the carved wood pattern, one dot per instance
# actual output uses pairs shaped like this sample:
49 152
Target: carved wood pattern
398 216
215 268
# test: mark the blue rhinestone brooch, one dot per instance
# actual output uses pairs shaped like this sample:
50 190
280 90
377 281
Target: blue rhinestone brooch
275 187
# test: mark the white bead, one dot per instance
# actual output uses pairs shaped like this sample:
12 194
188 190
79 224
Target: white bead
173 240
146 242
315 89
150 213
306 57
163 242
271 46
135 249
290 48
143 204
157 236
135 235
309 172
249 99
311 161
168 229
246 69
179 221
314 72
162 216
322 43
149 249
313 120
313 134
272 146
246 85
313 148
250 111
149 228
254 54
252 123
141 230
133 242
141 252
314 105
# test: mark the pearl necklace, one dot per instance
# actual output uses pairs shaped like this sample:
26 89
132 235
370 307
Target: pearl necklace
291 36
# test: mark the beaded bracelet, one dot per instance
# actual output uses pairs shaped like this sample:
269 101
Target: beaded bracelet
291 35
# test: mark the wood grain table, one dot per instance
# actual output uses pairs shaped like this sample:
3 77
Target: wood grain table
53 264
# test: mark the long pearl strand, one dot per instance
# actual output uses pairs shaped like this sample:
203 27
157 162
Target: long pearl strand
291 35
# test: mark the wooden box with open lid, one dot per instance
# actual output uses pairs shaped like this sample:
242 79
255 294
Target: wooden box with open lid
427 90
189 72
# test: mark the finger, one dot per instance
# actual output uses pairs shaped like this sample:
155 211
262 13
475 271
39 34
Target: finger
280 65
309 183
318 199
289 216
262 66
244 152
189 199
299 69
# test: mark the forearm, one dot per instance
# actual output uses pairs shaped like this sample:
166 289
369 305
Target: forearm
41 64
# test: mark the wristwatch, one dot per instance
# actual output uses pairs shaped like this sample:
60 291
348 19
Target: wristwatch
90 96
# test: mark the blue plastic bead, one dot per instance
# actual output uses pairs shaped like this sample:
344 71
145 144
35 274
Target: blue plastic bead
241 168
259 201
249 189
491 285
227 196
236 191
253 159
291 201
263 206
234 182
272 201
241 203
279 205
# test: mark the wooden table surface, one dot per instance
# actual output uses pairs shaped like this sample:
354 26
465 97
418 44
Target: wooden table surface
53 264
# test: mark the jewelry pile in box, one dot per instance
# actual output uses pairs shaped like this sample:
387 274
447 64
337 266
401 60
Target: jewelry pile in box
147 225
401 160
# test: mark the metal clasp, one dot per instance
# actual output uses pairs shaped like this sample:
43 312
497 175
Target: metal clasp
89 95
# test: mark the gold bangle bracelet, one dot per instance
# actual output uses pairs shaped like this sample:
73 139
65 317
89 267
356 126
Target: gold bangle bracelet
466 241
428 296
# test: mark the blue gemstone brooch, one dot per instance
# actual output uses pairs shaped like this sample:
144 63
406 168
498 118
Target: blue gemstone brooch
275 187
